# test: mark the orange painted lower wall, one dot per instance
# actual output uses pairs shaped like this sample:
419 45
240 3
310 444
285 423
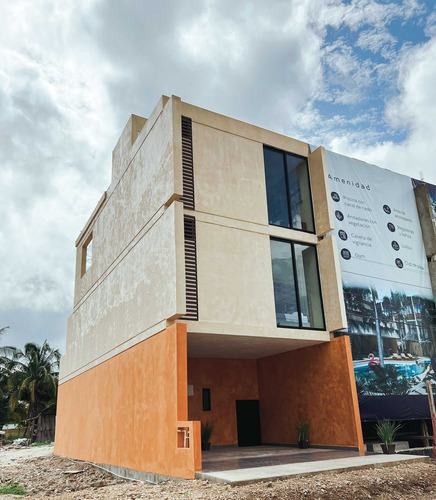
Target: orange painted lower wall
228 380
317 384
125 411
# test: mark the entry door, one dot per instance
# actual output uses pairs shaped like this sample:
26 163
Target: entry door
248 422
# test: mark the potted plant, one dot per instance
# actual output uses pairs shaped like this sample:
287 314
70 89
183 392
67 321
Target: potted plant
206 433
386 431
303 427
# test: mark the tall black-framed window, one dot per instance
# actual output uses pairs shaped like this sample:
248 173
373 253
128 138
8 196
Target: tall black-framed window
288 190
297 290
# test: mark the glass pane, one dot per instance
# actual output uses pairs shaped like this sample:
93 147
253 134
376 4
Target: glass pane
278 213
284 284
299 193
308 286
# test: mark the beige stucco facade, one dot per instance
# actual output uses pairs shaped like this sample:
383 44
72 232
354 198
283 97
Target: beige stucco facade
136 283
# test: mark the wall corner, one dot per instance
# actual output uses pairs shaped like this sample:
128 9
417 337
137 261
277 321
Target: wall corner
345 340
323 212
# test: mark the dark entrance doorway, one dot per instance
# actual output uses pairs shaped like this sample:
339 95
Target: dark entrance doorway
248 422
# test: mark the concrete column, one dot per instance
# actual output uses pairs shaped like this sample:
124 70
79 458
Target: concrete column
428 227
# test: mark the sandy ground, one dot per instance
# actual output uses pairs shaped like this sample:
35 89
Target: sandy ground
49 477
10 455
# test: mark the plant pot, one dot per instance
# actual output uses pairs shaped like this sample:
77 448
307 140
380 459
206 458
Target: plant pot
205 446
303 444
389 449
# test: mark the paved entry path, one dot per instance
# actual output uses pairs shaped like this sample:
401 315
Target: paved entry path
248 465
219 459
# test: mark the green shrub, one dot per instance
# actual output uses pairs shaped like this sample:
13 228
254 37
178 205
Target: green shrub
206 431
45 443
12 489
386 430
302 427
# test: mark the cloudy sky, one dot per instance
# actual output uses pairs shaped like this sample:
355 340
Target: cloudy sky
355 76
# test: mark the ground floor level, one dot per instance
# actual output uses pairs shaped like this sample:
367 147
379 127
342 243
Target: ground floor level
50 477
140 412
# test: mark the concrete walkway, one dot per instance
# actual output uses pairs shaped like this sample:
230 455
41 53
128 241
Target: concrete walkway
248 457
254 474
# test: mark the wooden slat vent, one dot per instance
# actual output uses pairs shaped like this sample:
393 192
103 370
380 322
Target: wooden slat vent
191 269
187 164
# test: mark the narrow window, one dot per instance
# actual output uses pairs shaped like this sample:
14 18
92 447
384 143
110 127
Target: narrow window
297 291
206 399
87 254
284 284
309 293
299 193
288 190
278 211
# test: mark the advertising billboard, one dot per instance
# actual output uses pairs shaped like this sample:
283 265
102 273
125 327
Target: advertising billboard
387 290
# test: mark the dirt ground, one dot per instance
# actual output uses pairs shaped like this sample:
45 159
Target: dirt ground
49 477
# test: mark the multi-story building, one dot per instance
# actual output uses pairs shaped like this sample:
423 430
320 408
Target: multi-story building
207 288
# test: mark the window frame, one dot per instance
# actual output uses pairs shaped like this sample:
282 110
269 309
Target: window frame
284 153
297 290
84 269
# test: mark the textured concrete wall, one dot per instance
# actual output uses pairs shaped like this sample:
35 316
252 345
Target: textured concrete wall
120 154
323 212
136 281
136 294
234 277
316 384
228 380
242 129
229 175
428 227
432 271
331 284
151 177
426 218
125 412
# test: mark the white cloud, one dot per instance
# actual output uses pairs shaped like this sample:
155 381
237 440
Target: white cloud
55 123
359 13
376 40
430 26
414 109
208 41
346 77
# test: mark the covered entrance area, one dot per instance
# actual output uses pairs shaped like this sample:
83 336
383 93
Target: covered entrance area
253 397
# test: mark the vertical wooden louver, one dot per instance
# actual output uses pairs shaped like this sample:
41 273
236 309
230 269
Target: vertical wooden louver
189 222
191 269
187 164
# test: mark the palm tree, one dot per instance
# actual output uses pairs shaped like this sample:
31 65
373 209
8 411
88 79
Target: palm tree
32 377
